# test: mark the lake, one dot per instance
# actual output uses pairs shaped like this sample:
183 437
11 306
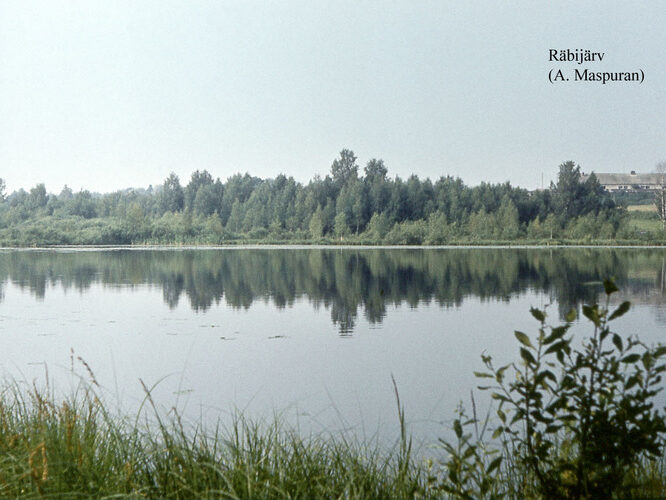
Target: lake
313 334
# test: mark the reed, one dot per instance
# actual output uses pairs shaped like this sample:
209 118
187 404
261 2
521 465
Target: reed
75 447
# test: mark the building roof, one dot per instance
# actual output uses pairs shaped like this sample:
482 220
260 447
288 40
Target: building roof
627 179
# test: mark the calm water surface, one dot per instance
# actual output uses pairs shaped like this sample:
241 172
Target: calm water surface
314 333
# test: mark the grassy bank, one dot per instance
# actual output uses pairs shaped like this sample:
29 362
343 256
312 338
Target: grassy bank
637 227
76 448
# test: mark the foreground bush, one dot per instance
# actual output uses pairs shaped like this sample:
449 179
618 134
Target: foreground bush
574 422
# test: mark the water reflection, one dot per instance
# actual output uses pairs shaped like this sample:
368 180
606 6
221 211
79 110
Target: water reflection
346 281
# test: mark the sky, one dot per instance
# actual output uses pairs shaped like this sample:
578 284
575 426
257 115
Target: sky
105 95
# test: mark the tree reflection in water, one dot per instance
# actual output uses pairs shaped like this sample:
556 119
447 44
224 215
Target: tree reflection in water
347 280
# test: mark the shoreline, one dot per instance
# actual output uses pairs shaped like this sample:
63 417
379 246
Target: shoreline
317 246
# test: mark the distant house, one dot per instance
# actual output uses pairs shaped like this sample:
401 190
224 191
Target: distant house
632 182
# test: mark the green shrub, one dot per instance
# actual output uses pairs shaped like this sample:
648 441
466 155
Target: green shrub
577 421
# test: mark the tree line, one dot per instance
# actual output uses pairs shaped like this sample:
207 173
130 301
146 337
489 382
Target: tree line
348 204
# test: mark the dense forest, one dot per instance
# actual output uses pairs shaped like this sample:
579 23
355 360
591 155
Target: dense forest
345 206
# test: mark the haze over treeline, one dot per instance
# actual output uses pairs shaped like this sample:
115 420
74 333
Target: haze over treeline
350 202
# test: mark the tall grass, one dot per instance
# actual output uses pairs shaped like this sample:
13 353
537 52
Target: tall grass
75 448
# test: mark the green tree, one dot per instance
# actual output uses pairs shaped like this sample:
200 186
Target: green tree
66 193
275 228
535 229
197 181
482 225
407 233
135 215
235 221
375 171
172 197
551 226
214 228
344 168
259 209
378 227
238 187
54 205
83 205
571 198
582 228
594 198
438 229
328 215
359 206
416 198
344 202
397 207
316 225
208 198
507 219
38 197
567 192
341 226
164 229
377 186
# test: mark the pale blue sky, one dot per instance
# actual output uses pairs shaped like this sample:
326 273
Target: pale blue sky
112 94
